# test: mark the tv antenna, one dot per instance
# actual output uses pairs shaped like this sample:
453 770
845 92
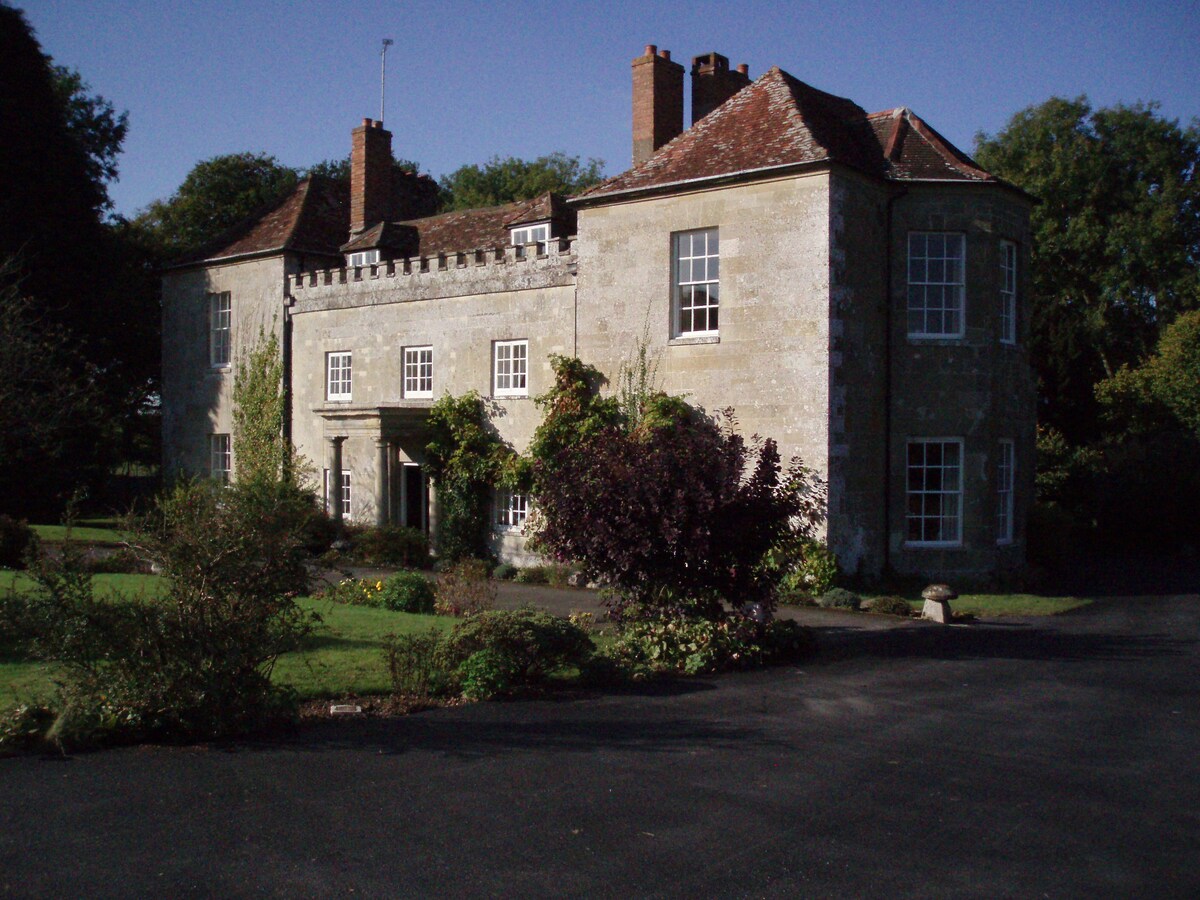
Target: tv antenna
387 42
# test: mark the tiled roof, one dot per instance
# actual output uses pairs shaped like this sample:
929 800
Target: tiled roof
313 218
483 229
781 121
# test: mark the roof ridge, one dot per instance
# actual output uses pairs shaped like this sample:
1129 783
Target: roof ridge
953 157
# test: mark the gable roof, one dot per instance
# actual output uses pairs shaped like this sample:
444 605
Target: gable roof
313 218
779 121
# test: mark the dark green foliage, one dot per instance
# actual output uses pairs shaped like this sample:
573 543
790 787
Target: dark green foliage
16 540
532 575
466 458
94 125
504 572
391 545
408 592
690 645
839 598
89 292
1116 239
504 180
497 651
217 194
801 566
197 662
891 606
1164 391
416 665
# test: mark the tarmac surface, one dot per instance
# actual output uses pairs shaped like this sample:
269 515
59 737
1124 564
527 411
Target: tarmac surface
1029 757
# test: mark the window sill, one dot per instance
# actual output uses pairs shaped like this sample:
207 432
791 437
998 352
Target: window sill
698 339
936 338
933 545
510 396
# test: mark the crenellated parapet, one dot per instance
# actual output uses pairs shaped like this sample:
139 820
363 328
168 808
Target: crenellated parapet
443 275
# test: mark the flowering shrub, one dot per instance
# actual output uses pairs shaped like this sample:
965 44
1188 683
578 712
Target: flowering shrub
406 591
689 646
696 646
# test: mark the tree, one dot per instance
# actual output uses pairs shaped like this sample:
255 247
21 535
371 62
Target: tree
217 194
94 124
1116 239
505 180
339 169
670 506
1164 389
51 413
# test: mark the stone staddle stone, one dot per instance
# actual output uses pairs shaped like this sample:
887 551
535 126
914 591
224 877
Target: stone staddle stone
937 599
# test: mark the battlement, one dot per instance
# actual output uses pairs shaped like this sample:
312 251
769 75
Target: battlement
443 275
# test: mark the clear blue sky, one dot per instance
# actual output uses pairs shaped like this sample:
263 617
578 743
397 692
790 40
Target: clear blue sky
470 80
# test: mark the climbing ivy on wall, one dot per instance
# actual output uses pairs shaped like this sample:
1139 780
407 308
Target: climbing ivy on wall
466 459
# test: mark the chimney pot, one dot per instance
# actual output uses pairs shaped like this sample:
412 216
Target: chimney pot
713 83
657 102
366 123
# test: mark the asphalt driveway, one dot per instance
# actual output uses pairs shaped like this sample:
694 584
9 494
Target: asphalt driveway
1031 758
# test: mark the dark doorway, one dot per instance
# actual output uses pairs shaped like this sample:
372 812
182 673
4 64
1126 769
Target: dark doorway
415 497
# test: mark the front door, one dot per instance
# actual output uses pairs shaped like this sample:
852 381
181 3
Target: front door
414 497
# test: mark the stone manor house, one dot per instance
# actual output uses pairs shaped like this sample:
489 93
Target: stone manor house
851 283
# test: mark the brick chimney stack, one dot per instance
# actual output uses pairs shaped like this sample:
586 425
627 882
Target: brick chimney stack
657 101
370 175
713 83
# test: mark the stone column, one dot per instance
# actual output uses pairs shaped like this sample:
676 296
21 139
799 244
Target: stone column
383 454
333 490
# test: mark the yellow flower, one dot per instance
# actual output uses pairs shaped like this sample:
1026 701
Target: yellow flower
379 585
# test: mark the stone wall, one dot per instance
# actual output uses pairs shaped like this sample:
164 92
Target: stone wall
974 388
771 359
458 311
197 397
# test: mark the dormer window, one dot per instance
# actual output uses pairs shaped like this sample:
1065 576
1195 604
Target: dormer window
362 258
530 234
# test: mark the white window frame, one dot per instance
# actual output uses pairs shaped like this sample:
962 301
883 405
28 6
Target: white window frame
929 279
530 234
345 491
220 457
1008 292
220 329
339 376
363 258
1006 471
694 268
925 492
510 368
418 372
512 511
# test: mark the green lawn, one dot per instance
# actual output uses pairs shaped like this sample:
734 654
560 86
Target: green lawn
92 534
344 655
988 605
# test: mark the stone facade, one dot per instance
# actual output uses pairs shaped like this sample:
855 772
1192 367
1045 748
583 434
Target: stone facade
812 349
